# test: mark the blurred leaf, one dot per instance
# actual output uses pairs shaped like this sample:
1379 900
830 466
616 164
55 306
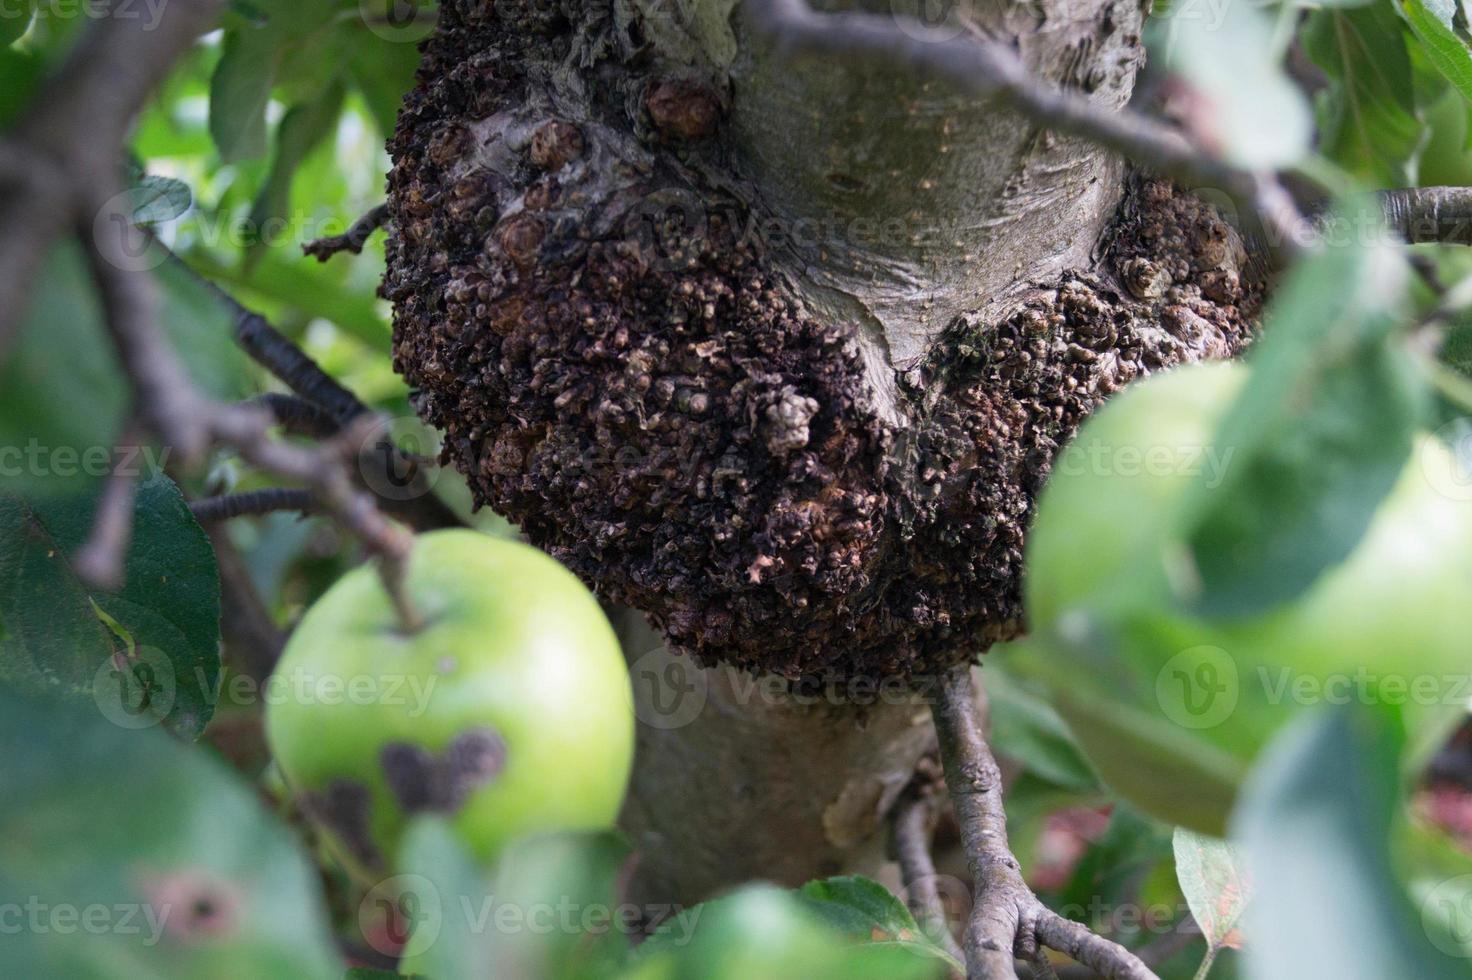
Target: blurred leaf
1030 731
866 911
1319 435
302 128
1214 884
551 911
1444 158
60 387
158 659
1314 826
240 89
1367 115
1439 877
15 19
159 199
1110 870
444 942
189 876
383 71
19 73
1443 42
763 931
1232 70
309 288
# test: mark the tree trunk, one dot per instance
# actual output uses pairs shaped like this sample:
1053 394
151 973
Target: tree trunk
778 353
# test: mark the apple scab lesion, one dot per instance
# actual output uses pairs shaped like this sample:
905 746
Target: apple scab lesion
422 781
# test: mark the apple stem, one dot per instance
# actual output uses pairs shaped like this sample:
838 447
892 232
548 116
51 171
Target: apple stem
392 569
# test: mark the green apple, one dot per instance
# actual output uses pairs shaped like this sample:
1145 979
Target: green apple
507 711
1172 708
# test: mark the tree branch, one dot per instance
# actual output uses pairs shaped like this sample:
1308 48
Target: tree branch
99 562
1430 214
353 241
911 827
993 69
297 415
72 134
169 403
252 503
1007 921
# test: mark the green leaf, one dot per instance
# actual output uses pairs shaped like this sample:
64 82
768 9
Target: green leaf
15 20
441 884
1230 66
142 857
302 128
159 199
383 72
20 71
159 656
1367 115
866 911
60 387
308 287
763 931
1030 731
1319 435
1214 883
552 911
1443 42
240 90
1314 826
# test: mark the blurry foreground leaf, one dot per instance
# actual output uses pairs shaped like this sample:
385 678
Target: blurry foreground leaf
1314 826
183 874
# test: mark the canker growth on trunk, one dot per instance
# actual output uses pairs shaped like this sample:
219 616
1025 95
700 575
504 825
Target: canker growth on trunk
597 306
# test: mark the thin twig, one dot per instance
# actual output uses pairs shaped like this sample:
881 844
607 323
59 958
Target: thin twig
297 415
163 389
1007 921
252 503
911 826
99 562
286 361
353 240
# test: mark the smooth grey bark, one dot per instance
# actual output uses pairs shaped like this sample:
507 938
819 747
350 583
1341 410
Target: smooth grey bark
897 203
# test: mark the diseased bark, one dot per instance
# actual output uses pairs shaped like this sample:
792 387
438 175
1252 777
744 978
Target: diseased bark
778 353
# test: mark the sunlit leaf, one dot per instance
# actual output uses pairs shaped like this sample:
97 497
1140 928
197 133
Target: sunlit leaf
1367 114
1212 879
